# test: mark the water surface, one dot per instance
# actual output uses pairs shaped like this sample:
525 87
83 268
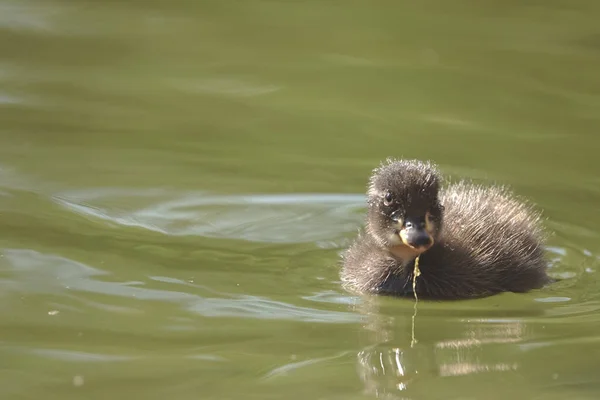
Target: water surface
177 180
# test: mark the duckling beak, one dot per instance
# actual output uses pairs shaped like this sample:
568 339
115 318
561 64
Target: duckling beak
414 234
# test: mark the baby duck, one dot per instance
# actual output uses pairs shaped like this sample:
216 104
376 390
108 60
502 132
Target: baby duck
471 241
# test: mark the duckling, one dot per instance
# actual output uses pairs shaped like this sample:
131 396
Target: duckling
472 241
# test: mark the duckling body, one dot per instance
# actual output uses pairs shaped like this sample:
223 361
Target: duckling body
472 241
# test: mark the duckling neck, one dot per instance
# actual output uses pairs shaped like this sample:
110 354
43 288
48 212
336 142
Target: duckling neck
404 254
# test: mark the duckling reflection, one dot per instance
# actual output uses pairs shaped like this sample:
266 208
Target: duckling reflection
391 368
471 241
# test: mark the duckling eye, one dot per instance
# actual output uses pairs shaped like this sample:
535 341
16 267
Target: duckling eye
388 198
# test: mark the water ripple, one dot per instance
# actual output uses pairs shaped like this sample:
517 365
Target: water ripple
47 273
276 218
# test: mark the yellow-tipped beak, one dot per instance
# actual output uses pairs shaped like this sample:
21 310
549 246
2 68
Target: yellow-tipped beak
418 239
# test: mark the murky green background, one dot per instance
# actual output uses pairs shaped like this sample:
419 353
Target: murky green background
177 179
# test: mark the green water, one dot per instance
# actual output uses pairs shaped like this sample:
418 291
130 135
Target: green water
178 178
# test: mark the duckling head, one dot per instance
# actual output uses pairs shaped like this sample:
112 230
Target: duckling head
405 214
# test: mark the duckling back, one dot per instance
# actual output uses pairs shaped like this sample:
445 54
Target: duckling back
490 242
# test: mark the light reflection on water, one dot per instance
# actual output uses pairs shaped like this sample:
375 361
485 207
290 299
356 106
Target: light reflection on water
293 218
390 366
35 272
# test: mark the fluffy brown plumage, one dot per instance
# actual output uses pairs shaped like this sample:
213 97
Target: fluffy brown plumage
473 241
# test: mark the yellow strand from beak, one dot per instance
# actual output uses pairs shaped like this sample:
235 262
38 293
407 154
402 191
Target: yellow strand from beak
416 274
